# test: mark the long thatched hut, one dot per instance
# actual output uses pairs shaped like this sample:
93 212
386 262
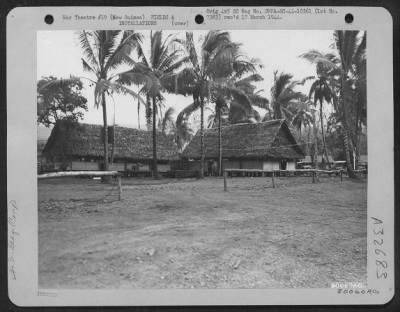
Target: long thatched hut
76 146
268 146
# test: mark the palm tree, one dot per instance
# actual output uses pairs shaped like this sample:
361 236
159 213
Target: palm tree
283 97
302 118
358 109
239 92
167 122
349 47
151 71
213 60
184 132
104 52
239 113
321 92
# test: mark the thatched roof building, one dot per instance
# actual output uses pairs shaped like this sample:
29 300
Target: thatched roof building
85 140
267 140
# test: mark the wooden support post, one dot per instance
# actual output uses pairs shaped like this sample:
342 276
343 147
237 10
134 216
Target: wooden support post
119 187
313 176
341 175
225 187
273 180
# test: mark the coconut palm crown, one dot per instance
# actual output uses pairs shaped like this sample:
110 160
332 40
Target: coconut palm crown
211 76
105 51
151 72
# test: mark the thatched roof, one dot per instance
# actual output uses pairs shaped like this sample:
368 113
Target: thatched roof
270 139
84 140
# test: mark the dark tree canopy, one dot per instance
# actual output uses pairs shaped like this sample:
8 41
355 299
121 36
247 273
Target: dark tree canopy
60 100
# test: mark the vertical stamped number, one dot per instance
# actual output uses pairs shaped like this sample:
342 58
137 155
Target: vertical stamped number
378 245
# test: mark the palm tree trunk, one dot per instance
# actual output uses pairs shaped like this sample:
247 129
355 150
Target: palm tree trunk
278 111
148 112
315 178
219 143
106 179
112 146
138 113
357 134
201 138
112 139
155 169
323 135
350 171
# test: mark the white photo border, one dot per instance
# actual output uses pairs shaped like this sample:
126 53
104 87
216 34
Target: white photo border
22 26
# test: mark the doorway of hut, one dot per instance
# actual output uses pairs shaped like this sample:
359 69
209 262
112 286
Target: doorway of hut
283 164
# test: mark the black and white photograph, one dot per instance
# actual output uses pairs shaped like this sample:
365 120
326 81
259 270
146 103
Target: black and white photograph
202 159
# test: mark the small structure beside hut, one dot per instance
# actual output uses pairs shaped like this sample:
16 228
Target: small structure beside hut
79 147
268 145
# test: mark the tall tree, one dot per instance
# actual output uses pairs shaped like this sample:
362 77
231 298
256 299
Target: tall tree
166 123
60 101
211 77
151 72
348 44
350 47
104 52
237 91
284 98
321 92
206 65
358 95
302 118
184 132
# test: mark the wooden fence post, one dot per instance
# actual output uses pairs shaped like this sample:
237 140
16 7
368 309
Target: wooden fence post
273 180
119 187
225 187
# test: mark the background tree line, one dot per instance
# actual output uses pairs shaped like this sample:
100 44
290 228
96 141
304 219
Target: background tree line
220 78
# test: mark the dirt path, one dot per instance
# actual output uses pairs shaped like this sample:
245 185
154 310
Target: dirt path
191 234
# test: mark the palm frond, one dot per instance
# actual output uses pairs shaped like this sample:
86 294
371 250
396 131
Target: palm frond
120 52
325 61
346 43
124 90
140 74
88 50
167 118
56 83
186 112
191 50
87 67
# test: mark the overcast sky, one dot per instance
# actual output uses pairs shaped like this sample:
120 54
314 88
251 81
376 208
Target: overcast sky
59 55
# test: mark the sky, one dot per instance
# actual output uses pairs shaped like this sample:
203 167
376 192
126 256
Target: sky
59 55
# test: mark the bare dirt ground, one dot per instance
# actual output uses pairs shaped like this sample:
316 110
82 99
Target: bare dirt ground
191 234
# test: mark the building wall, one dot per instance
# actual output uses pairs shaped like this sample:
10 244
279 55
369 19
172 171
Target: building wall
271 165
83 165
194 165
133 166
231 164
117 166
290 165
251 164
164 167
